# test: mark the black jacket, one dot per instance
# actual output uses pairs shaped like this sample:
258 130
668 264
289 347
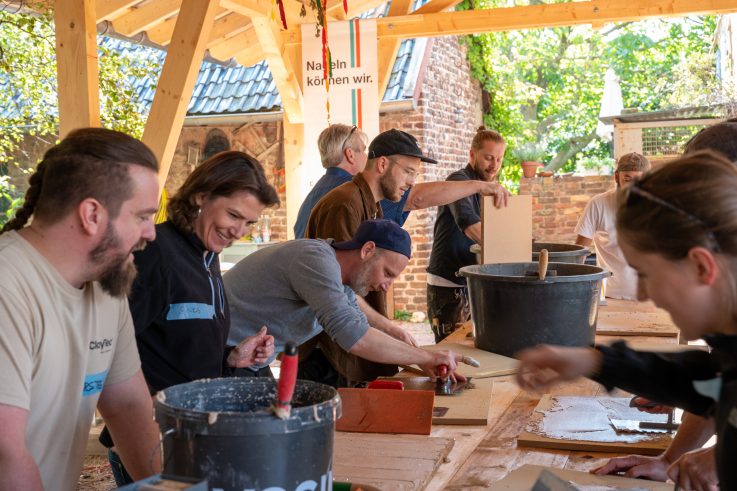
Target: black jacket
686 380
179 310
451 247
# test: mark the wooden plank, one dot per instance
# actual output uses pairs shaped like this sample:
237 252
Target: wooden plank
261 8
294 143
582 423
506 232
76 60
525 477
470 407
388 462
162 32
635 324
538 16
174 90
436 6
112 9
386 411
492 364
281 67
145 17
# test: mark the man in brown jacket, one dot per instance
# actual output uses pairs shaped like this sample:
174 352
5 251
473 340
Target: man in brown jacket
394 162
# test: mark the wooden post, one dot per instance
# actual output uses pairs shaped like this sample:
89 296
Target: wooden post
293 154
174 90
76 66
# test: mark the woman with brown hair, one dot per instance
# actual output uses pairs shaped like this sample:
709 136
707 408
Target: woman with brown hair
178 304
677 227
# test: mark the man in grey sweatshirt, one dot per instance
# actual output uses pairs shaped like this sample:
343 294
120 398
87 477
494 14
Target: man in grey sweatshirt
301 287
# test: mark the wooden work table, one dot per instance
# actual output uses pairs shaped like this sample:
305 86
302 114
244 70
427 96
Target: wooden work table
484 455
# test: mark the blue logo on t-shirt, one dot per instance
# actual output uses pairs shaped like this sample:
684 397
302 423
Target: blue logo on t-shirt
94 383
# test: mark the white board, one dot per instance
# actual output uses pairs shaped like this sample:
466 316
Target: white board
506 232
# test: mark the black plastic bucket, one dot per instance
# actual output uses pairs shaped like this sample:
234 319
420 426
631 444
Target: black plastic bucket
561 253
222 430
511 311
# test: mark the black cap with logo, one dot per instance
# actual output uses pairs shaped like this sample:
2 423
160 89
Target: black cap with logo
396 142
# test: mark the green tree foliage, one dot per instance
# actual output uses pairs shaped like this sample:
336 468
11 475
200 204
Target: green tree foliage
28 97
545 85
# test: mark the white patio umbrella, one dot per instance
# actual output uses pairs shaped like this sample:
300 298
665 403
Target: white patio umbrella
611 104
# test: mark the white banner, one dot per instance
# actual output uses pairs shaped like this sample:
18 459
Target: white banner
354 92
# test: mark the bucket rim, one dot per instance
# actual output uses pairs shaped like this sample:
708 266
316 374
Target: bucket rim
328 405
472 272
579 251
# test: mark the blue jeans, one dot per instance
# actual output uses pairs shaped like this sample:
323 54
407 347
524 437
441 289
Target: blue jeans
116 465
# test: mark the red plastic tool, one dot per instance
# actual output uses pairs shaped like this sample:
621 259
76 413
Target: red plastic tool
287 379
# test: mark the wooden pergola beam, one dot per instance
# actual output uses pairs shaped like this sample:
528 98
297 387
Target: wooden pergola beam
76 65
436 6
112 9
174 90
537 16
162 32
146 17
388 48
281 67
244 40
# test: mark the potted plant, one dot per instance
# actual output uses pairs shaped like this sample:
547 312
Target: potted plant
529 155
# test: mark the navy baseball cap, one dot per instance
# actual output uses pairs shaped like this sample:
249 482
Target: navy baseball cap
386 234
396 142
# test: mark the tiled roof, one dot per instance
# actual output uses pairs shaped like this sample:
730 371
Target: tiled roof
223 90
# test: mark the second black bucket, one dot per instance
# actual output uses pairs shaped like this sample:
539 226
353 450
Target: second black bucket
561 253
511 311
221 430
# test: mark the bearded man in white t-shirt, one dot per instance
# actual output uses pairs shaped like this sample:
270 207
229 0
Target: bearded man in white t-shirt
67 344
597 225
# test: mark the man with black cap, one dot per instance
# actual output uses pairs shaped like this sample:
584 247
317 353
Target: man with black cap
302 287
393 164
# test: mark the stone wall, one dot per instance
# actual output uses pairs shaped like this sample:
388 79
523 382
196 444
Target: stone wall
445 120
558 202
260 140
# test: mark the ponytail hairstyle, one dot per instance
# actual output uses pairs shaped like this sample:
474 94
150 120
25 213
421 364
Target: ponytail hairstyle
223 174
483 135
88 163
690 202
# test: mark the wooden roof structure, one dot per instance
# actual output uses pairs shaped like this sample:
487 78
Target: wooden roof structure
248 31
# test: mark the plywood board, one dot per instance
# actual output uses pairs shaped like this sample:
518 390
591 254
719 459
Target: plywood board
635 324
582 423
525 477
386 411
470 407
506 232
388 462
492 364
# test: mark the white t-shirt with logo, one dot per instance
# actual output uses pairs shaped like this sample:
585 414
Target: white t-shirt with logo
599 223
59 346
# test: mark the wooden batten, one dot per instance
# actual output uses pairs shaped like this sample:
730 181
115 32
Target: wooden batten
436 6
244 40
112 9
294 142
77 72
146 17
174 90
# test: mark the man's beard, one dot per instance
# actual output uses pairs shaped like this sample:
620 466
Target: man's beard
389 188
486 176
117 275
360 284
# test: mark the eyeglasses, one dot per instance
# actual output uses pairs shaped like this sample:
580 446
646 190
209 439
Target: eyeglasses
350 133
635 189
412 173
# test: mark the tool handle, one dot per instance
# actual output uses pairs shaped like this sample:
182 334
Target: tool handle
386 384
287 376
542 266
443 371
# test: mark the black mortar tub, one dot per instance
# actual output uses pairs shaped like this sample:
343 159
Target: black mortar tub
511 311
222 430
561 253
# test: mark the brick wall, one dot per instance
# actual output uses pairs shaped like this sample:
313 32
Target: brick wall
260 140
558 202
447 115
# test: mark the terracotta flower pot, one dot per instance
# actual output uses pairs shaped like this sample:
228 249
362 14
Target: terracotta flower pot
529 169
